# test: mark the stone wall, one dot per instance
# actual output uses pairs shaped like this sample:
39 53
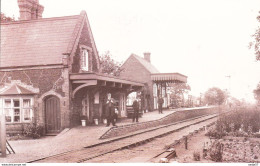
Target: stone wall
174 117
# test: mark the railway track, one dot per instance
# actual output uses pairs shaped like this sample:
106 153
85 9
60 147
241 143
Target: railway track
97 150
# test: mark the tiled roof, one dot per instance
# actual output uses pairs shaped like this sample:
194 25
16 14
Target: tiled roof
36 42
16 89
146 64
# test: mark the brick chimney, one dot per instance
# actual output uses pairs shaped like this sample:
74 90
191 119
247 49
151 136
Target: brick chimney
30 9
147 56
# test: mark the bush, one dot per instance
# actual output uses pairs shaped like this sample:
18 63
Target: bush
216 152
213 132
33 130
196 156
243 122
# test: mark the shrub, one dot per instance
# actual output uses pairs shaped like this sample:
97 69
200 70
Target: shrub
216 152
213 132
243 122
33 130
196 156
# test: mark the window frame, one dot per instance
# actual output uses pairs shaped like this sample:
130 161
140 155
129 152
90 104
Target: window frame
85 60
85 53
21 108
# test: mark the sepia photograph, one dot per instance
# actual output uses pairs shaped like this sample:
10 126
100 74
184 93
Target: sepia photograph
130 81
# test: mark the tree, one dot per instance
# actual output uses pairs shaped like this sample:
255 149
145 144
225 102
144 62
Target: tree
257 92
177 92
234 101
109 65
215 96
5 18
256 43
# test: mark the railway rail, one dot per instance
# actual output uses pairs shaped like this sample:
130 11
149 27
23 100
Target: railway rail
130 141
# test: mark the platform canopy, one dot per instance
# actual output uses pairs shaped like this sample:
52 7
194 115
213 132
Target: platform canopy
168 78
82 80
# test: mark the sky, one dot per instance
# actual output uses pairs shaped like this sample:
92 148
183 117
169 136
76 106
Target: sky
206 40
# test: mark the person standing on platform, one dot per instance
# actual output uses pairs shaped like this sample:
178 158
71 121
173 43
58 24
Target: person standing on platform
160 104
110 110
136 110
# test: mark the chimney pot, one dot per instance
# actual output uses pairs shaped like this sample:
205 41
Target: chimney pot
30 9
147 56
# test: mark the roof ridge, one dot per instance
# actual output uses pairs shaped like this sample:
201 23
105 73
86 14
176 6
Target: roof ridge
39 20
75 33
151 69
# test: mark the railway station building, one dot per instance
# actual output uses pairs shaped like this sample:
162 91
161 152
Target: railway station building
50 72
156 83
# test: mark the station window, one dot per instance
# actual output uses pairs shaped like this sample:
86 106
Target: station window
84 59
18 110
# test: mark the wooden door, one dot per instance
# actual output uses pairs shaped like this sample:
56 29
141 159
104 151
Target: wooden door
52 114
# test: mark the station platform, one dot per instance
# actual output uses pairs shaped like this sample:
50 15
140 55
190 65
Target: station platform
68 140
76 138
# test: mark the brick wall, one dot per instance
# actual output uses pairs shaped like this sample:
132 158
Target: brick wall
84 40
132 69
51 81
44 79
174 117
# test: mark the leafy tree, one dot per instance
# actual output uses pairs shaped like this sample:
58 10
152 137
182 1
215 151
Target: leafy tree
5 18
257 92
177 91
215 96
109 65
234 101
256 43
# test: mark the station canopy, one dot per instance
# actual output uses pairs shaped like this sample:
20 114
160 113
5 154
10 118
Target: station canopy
98 79
168 78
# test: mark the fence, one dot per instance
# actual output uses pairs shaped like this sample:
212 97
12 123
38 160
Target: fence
2 136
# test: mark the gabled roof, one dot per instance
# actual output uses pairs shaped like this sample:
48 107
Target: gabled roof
146 64
16 89
40 42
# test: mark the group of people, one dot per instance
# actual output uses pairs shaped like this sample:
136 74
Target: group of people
110 109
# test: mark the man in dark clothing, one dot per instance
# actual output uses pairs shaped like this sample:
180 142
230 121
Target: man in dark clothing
136 110
110 110
160 103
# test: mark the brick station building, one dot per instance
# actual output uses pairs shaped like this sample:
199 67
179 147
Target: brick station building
50 72
156 83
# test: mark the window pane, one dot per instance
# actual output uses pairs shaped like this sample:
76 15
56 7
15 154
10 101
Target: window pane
26 114
16 103
7 103
16 115
8 115
26 103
